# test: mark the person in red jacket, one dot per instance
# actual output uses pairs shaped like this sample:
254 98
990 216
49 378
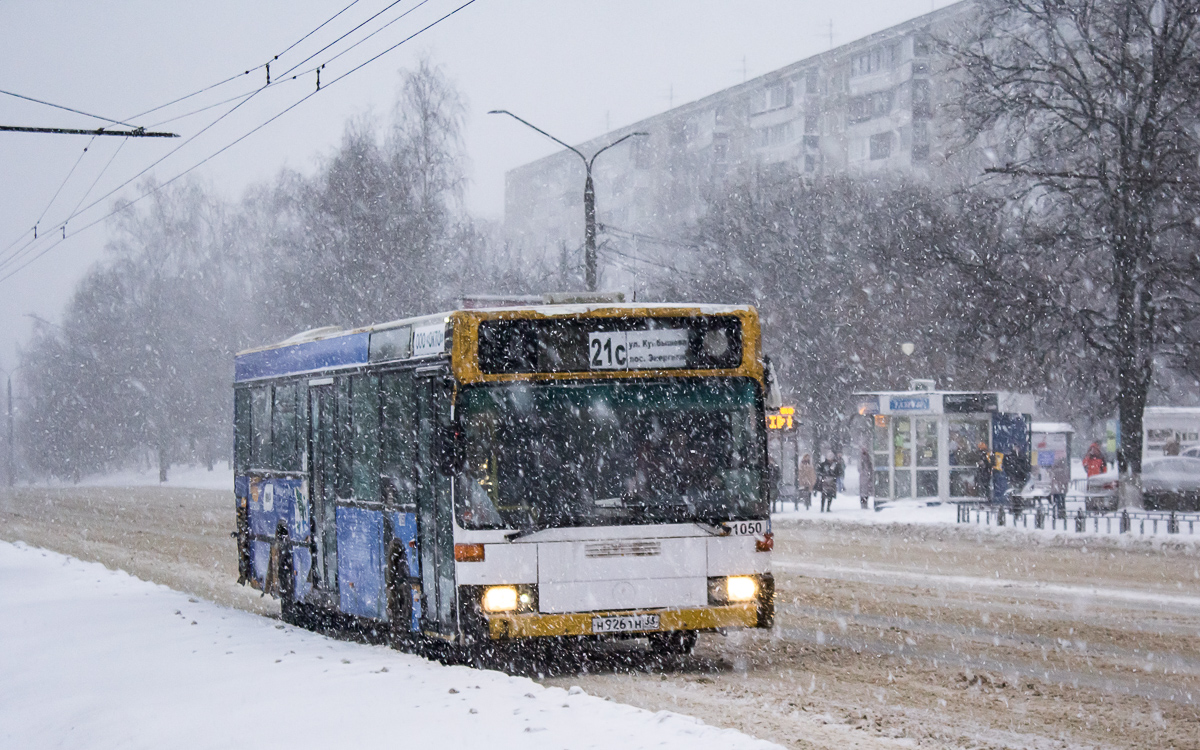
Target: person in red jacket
1093 461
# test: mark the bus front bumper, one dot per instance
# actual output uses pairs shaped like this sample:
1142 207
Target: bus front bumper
504 626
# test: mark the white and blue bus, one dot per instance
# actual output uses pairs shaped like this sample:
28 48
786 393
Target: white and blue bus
495 475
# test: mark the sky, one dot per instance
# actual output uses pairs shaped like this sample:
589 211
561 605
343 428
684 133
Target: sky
574 68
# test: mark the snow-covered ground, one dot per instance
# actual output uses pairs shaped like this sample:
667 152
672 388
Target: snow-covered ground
93 658
182 477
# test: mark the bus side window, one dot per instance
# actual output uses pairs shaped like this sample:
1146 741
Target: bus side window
398 439
260 427
285 430
343 433
365 441
241 430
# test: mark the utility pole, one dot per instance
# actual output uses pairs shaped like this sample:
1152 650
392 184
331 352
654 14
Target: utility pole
589 194
9 460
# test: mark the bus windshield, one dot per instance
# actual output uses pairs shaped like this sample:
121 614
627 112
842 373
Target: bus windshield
544 455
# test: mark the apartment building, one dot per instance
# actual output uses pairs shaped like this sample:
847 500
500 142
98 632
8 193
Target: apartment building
866 106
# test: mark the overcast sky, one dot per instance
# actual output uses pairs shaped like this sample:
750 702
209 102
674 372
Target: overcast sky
575 68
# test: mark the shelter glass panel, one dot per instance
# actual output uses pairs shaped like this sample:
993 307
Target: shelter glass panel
927 443
902 442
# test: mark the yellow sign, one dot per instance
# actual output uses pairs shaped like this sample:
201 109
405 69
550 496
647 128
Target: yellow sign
782 420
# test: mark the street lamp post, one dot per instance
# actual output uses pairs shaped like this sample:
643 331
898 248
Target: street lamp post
9 451
589 194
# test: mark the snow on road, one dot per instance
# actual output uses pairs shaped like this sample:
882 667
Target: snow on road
95 658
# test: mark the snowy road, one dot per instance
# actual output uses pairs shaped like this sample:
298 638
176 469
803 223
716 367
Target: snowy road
887 634
94 658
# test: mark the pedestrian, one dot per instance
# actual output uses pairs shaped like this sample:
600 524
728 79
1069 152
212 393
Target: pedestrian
866 478
806 479
1093 461
1172 446
983 471
840 471
827 481
1060 479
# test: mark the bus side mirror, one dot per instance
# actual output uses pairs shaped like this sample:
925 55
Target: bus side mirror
449 450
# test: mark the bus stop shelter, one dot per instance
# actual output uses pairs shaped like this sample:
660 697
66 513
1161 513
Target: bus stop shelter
925 442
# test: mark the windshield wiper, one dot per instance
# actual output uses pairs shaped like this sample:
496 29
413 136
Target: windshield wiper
712 529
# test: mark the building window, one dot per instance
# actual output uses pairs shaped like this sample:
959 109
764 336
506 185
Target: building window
920 142
812 123
776 96
810 163
869 106
811 83
881 146
775 135
873 61
921 46
812 142
921 104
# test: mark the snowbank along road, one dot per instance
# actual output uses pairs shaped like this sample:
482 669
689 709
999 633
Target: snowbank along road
886 636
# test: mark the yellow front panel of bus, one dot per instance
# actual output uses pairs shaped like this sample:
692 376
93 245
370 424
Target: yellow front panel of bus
465 357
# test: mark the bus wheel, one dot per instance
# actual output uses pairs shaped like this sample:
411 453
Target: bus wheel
673 643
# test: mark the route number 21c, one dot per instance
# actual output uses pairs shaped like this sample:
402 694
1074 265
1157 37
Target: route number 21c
608 351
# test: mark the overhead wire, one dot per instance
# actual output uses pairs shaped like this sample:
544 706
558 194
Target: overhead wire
4 261
68 109
218 84
284 77
5 264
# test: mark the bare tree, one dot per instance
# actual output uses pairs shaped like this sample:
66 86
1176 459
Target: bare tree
1091 113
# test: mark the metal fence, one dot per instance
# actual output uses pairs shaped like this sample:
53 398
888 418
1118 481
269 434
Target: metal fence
1079 520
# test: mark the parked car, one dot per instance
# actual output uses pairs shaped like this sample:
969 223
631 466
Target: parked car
1191 452
1168 483
1102 491
1171 483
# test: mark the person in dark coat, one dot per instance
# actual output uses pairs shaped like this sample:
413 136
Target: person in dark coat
983 471
866 478
827 481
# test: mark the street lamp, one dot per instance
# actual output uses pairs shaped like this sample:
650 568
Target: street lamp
9 458
589 194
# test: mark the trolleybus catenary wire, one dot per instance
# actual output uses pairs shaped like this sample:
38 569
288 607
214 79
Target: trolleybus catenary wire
160 186
285 77
52 198
68 109
236 76
61 225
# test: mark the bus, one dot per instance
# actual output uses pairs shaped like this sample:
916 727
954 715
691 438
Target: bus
493 476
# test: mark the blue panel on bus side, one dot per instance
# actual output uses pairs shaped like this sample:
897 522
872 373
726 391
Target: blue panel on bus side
404 526
360 561
275 501
339 351
302 565
260 558
241 486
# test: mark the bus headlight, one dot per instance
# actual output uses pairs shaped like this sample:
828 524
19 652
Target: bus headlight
499 599
741 588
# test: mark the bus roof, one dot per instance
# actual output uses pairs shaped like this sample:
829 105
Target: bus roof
329 347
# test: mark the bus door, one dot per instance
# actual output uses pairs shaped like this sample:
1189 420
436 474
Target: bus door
434 523
323 467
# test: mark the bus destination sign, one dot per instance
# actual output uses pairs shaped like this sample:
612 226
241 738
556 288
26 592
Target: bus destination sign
638 350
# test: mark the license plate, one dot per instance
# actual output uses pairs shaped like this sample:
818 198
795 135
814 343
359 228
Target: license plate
625 624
